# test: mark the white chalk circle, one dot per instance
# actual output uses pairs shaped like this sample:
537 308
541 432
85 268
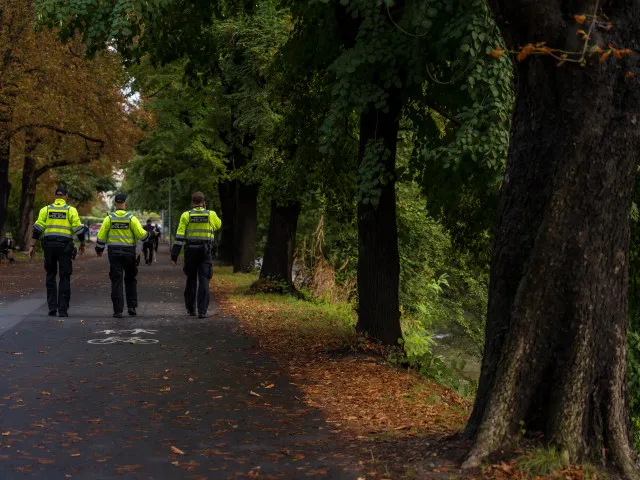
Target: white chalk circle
133 340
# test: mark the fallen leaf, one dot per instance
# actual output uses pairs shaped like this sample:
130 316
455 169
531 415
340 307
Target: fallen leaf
190 379
177 450
271 385
75 454
298 457
95 420
251 392
98 363
6 434
44 393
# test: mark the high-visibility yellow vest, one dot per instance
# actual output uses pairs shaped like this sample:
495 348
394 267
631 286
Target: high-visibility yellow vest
199 228
58 223
120 233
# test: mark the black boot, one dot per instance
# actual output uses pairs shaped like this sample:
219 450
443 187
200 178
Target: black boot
132 311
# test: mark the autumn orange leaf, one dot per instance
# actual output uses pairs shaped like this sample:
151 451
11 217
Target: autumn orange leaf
526 51
497 52
271 385
177 451
629 75
75 454
44 393
605 55
580 18
6 434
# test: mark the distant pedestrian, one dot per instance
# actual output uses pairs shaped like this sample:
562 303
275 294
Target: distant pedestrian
156 239
57 224
148 245
195 231
6 248
119 232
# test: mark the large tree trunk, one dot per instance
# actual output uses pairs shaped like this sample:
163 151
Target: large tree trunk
5 186
28 193
555 352
227 192
246 229
378 258
5 154
281 242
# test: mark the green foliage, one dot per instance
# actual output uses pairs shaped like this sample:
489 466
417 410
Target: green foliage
83 184
633 381
439 284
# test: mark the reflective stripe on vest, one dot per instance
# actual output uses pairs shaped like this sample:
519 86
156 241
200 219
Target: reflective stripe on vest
120 233
58 224
199 227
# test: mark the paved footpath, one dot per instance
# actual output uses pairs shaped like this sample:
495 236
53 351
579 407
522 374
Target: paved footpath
92 397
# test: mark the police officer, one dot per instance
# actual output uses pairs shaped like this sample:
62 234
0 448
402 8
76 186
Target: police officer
57 224
195 231
120 231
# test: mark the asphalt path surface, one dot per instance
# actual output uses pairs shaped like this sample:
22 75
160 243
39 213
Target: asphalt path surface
158 396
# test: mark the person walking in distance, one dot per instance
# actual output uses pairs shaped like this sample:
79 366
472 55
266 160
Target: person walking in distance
156 240
195 232
57 224
148 245
6 249
119 232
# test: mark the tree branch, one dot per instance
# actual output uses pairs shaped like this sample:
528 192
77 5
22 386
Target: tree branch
65 163
57 130
160 90
443 111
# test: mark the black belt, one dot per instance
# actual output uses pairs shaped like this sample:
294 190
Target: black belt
120 248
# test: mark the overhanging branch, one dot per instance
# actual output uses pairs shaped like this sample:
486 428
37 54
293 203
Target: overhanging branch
443 111
62 131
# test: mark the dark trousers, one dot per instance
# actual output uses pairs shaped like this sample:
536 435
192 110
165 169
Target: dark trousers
57 262
147 250
199 269
123 262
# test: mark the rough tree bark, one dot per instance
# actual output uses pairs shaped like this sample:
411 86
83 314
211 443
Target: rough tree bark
227 192
246 227
378 257
246 220
28 193
281 242
555 353
5 185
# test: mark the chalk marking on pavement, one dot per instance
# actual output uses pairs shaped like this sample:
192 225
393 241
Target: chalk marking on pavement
111 340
